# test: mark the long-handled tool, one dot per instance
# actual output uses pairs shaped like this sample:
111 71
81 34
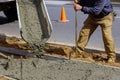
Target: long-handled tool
76 27
76 31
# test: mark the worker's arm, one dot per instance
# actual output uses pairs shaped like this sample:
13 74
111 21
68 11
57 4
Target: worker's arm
95 9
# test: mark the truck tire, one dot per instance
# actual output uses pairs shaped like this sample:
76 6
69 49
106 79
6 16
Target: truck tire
11 12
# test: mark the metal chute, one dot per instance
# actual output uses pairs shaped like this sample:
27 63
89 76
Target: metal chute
34 22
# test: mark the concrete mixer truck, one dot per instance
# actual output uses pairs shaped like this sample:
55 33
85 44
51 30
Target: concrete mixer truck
9 9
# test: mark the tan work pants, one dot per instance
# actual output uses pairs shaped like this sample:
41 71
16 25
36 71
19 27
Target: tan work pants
90 26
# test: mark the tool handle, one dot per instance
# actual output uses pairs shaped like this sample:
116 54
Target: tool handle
76 31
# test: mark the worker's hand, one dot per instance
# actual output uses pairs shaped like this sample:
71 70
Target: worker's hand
77 7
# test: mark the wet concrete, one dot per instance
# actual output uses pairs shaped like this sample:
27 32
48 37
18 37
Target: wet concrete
56 68
41 69
34 23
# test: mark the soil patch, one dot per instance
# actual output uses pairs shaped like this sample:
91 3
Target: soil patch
57 50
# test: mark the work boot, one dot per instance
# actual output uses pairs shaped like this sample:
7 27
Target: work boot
83 55
111 58
78 54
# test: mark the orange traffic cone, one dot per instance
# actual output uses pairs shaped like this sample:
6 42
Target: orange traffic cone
63 16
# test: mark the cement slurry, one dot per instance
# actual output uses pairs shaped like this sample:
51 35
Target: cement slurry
58 70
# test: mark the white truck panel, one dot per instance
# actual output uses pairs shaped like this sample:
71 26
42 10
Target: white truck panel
6 0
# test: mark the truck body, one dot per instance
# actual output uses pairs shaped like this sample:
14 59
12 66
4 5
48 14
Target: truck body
6 0
9 9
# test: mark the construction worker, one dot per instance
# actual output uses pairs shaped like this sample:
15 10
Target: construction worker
100 12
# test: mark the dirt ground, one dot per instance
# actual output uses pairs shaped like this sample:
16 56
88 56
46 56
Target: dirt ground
57 50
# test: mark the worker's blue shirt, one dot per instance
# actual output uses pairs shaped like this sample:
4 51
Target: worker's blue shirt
96 8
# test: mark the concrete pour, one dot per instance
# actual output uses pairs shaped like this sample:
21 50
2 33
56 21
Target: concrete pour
34 22
53 68
56 69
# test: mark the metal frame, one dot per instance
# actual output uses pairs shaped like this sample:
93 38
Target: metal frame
5 0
